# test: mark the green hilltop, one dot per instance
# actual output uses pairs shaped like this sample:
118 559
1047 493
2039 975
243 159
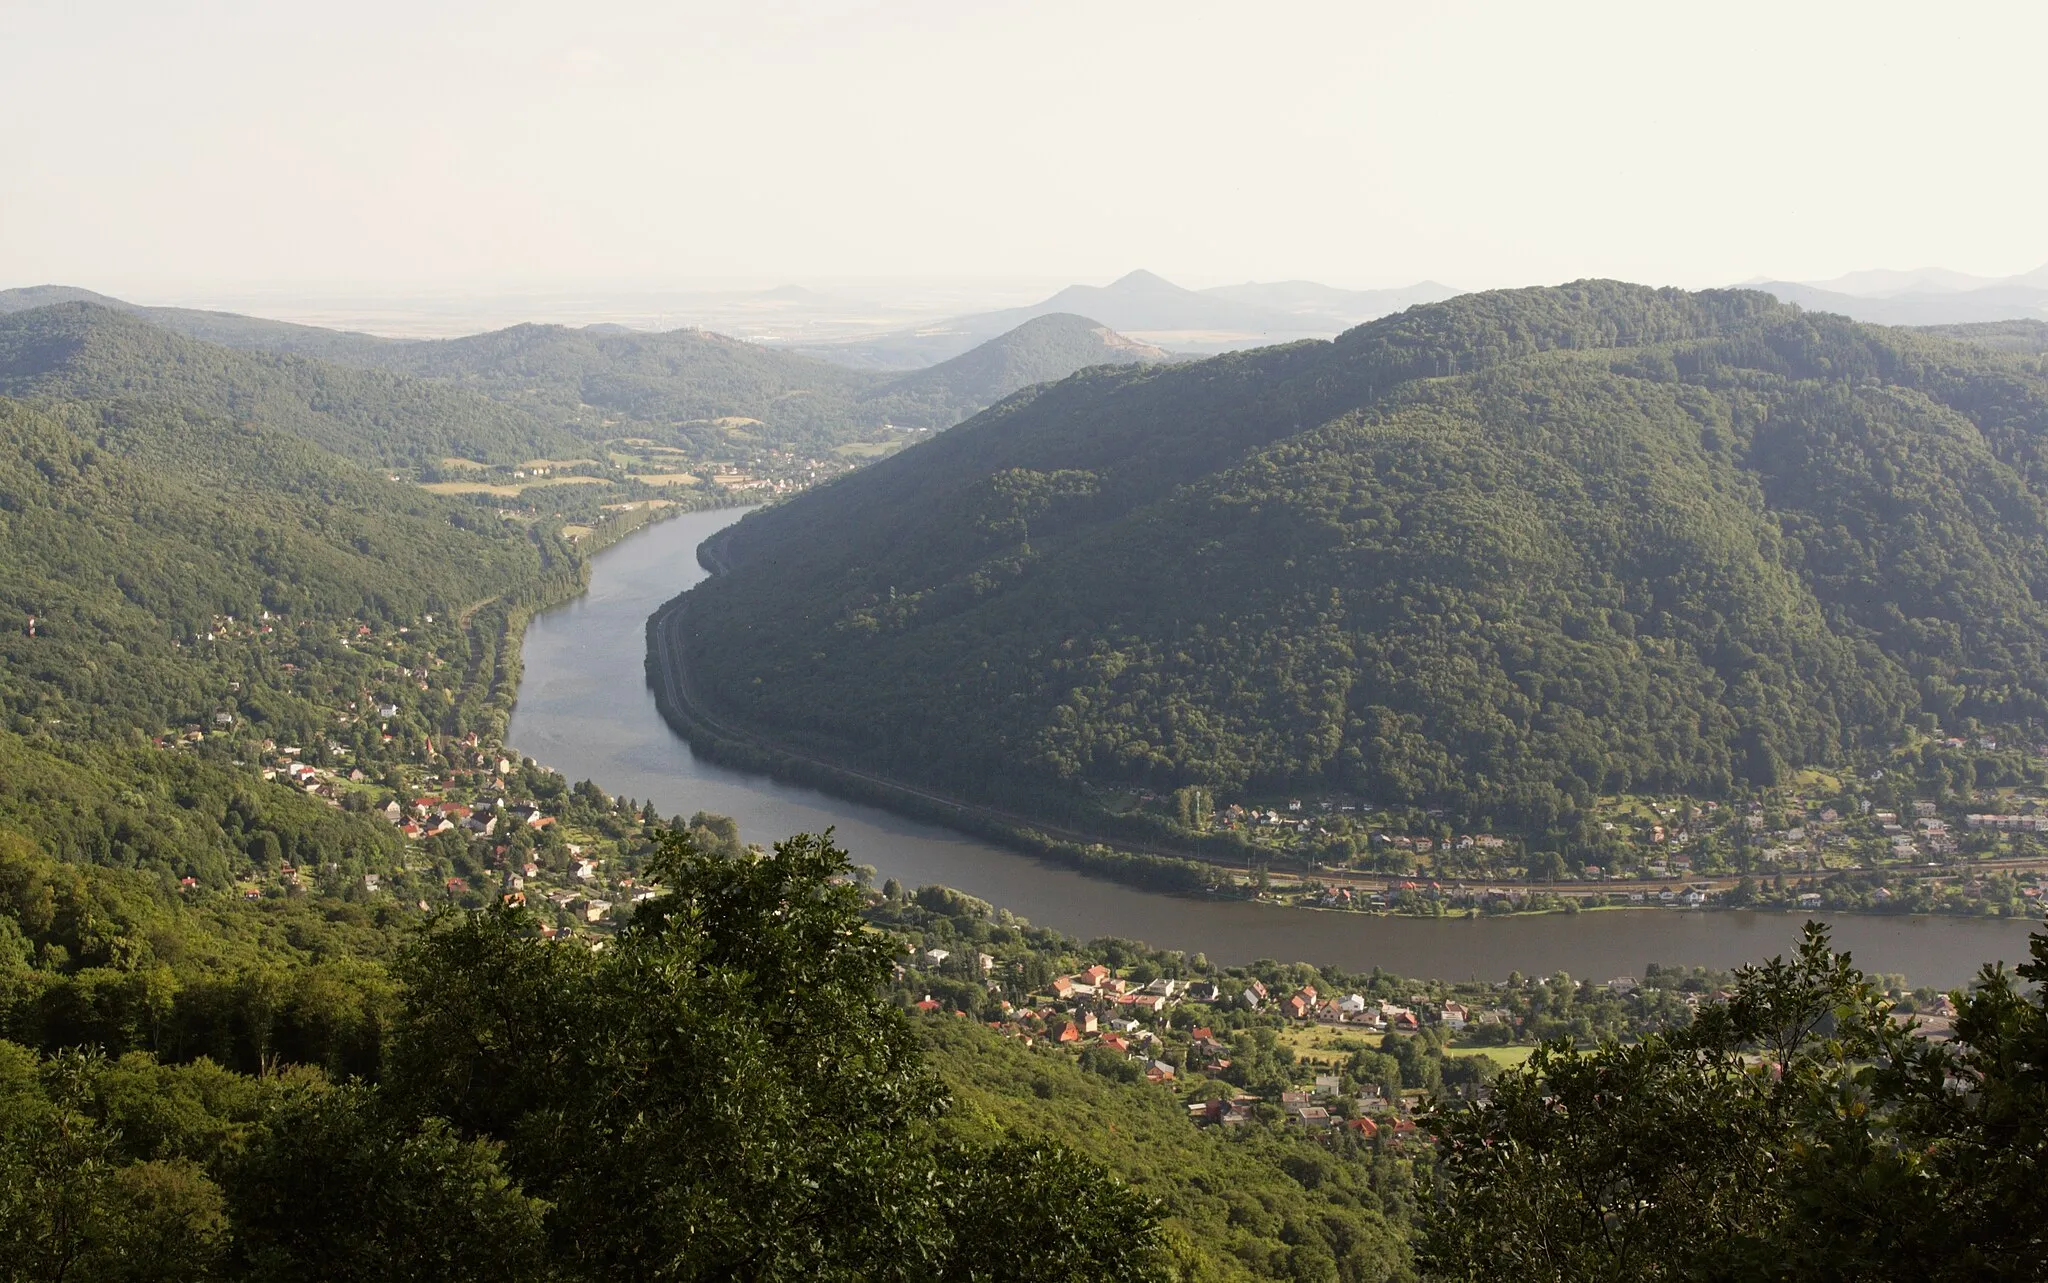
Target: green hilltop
83 351
1502 553
530 391
680 384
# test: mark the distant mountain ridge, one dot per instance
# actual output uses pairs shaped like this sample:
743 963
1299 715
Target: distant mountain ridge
230 329
1039 350
1146 305
1921 297
528 391
86 351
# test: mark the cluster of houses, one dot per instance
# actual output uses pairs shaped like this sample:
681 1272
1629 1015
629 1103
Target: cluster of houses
317 781
1309 1108
1358 1011
2008 823
431 815
1316 818
1096 1007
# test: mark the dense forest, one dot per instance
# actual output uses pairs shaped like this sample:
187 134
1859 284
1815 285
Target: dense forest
81 351
1503 553
531 391
141 533
685 386
1800 1129
726 1093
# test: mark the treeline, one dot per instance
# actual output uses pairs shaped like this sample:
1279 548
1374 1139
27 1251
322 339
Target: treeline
111 959
1500 555
1149 871
1796 1131
85 352
723 1093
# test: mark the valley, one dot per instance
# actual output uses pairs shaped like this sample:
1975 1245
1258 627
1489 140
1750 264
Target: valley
331 719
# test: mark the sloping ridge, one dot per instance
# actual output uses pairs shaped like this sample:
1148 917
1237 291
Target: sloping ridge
1499 553
1041 350
84 351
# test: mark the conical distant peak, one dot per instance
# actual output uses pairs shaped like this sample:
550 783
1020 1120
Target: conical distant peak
1141 280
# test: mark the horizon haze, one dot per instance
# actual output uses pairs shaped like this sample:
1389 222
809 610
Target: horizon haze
228 151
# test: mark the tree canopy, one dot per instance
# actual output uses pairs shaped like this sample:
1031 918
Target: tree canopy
725 1093
1796 1131
1503 553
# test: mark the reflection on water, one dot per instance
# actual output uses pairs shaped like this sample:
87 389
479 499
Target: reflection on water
584 710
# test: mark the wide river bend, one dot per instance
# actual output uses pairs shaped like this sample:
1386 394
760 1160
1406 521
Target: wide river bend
585 710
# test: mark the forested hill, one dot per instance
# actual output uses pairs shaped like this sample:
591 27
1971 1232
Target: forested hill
1041 350
691 381
133 530
2006 336
1500 553
228 328
526 392
83 351
672 379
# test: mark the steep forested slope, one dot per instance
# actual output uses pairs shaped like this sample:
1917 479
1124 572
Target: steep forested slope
672 380
131 528
1502 552
82 351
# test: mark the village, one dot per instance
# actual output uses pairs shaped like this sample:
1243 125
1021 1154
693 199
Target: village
476 823
1938 824
1277 1045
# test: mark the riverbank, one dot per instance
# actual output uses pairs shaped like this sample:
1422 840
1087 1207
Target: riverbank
1119 859
586 709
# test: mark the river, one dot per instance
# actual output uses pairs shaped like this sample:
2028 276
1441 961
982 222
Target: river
585 710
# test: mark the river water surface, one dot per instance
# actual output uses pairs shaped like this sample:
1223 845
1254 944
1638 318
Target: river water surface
585 710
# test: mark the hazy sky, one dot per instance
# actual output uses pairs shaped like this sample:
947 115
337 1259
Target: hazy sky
155 146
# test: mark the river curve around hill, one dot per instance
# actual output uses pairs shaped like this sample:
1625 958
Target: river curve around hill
584 709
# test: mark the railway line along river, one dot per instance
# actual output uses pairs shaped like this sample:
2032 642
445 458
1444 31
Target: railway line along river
585 710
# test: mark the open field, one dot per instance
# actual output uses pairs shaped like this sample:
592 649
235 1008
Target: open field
867 449
1505 1057
472 487
1330 1047
667 478
1323 1045
508 491
530 464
